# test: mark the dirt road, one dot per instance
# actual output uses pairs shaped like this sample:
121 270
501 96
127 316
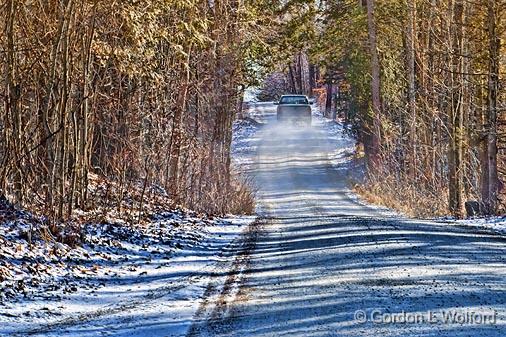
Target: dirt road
323 264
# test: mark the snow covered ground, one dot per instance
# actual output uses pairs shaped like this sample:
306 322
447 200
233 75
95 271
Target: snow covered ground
124 280
495 224
245 143
121 281
320 256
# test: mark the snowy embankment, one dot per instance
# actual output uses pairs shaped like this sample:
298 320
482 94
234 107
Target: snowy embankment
119 279
47 285
245 143
495 224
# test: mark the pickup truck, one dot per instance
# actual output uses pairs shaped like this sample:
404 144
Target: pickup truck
294 109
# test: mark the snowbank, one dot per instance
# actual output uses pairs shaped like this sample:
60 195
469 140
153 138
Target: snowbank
118 267
495 224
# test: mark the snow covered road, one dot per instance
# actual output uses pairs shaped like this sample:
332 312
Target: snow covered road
325 264
317 262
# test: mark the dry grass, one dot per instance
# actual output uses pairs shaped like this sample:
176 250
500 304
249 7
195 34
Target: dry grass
241 198
238 198
403 196
132 204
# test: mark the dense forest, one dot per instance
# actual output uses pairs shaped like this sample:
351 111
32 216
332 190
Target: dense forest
134 92
423 85
144 93
435 134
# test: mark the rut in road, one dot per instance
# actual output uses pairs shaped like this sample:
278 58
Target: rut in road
324 255
222 290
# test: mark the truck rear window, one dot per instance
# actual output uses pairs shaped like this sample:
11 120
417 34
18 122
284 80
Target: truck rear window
293 100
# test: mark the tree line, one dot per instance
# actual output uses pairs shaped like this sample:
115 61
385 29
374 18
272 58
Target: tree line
423 84
136 92
435 124
145 93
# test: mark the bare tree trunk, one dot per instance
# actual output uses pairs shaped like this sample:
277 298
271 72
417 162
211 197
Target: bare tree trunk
48 117
410 40
328 99
374 151
291 78
490 183
312 80
240 102
335 92
298 66
175 148
11 103
456 112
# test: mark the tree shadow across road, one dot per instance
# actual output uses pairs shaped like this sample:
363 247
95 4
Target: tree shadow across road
324 256
309 280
